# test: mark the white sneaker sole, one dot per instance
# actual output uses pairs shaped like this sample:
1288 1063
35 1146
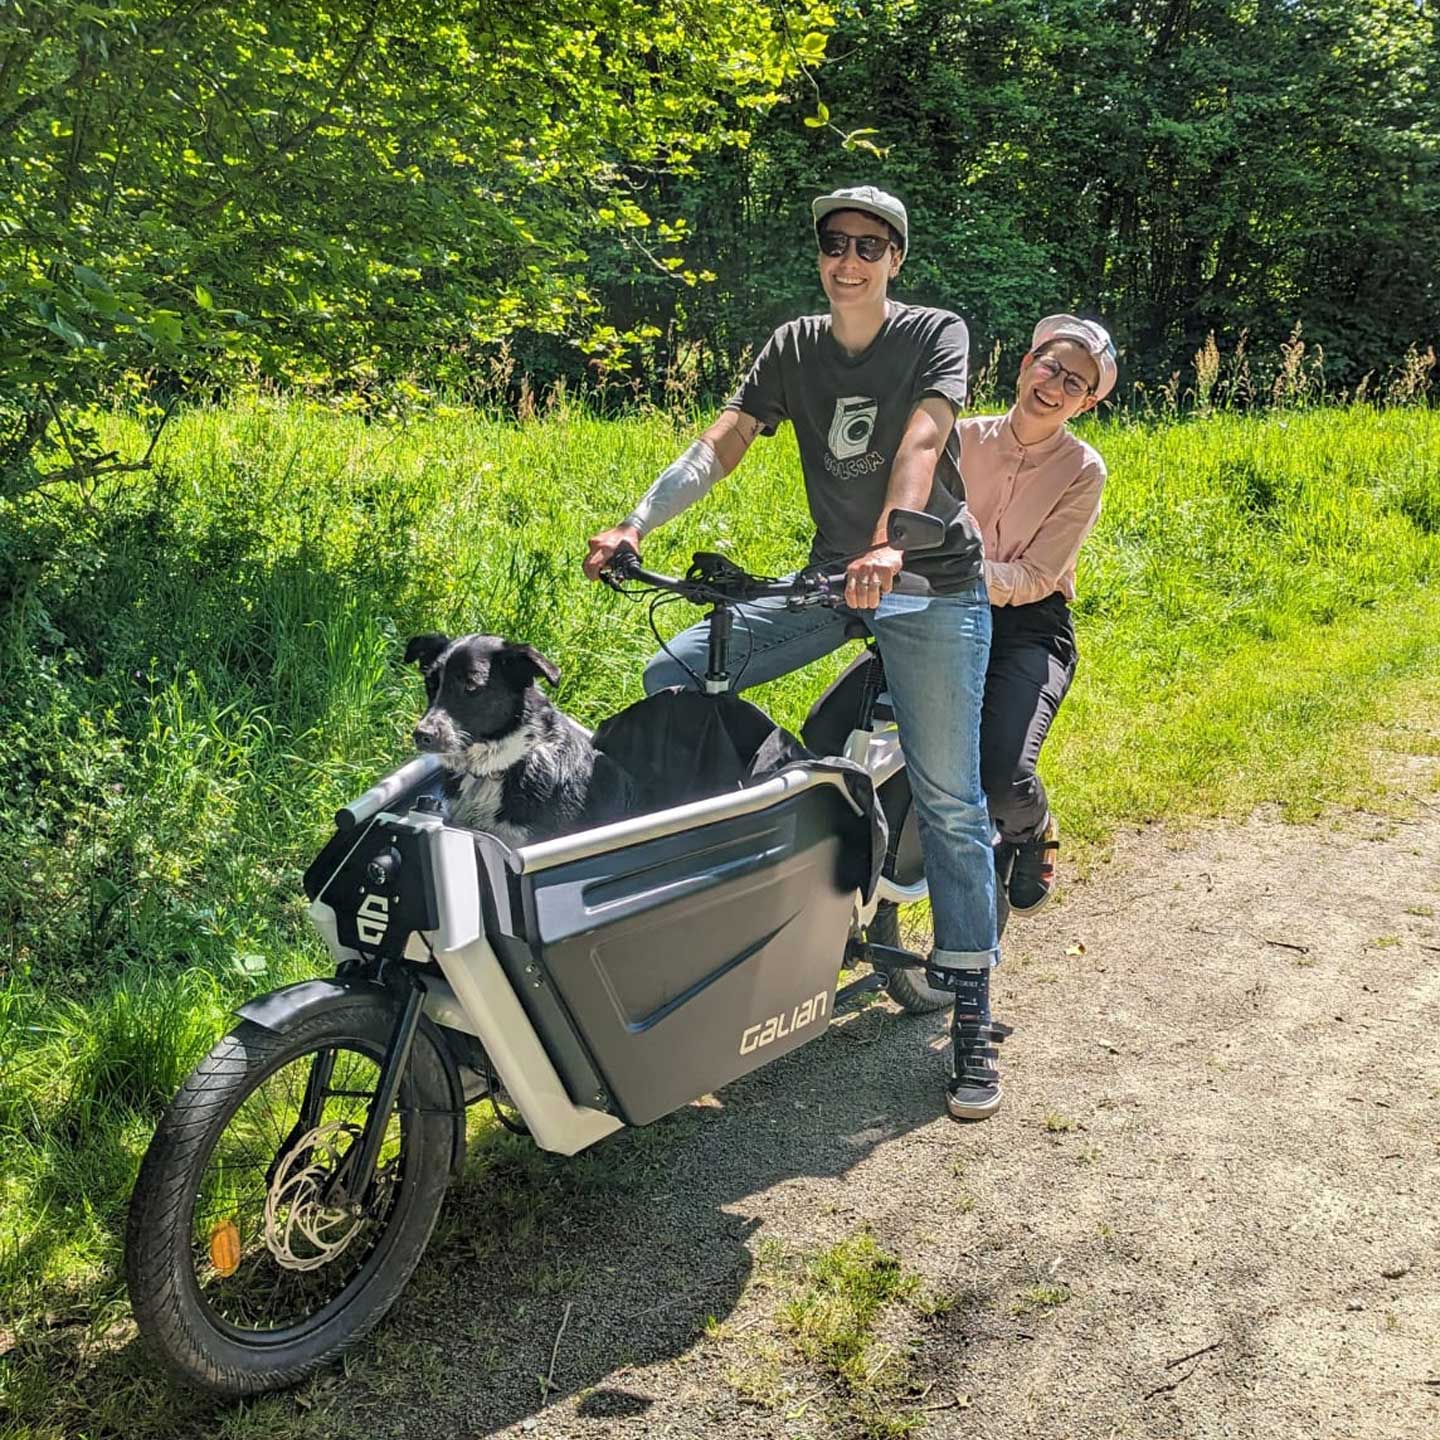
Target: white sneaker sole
973 1109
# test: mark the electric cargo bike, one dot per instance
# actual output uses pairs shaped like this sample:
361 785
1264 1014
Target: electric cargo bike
595 981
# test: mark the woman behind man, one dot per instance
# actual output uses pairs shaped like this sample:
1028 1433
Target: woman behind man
1035 490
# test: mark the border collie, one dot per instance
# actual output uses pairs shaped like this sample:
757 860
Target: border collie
516 766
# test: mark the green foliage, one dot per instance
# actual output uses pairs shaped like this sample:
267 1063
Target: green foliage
362 200
832 1319
196 675
360 195
1179 167
832 1323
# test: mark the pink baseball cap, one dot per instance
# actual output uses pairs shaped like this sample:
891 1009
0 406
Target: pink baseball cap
1088 333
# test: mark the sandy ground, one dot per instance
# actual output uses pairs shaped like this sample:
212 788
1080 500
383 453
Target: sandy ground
1221 1141
1208 1207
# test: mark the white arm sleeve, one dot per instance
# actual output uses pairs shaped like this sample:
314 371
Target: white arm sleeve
680 485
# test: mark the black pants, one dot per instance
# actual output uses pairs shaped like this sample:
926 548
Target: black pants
1032 662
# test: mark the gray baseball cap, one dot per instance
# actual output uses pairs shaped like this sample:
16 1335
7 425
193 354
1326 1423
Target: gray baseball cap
872 202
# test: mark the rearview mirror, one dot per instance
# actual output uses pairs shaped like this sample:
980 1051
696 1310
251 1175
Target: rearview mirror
914 530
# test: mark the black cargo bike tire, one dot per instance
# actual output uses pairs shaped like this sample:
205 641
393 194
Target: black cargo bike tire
159 1259
907 988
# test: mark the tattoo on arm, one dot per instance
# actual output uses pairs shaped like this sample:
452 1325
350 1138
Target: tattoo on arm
730 437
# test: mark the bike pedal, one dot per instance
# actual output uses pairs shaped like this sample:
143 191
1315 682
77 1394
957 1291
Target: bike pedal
888 957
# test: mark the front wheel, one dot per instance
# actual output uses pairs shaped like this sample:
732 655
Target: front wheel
240 1273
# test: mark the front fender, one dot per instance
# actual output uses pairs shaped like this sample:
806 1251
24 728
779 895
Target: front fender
282 1010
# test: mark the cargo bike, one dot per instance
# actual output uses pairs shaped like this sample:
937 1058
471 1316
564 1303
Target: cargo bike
590 982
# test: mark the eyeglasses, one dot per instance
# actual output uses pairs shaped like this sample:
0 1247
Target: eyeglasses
835 243
1074 384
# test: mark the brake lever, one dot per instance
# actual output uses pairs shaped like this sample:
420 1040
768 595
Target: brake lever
813 587
623 563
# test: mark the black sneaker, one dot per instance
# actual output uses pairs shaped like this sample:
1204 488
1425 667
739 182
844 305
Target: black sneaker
1032 876
974 1089
1004 851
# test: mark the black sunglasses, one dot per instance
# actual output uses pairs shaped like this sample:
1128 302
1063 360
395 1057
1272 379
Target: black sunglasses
835 243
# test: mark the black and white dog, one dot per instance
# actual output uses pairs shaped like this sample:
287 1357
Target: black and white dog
516 766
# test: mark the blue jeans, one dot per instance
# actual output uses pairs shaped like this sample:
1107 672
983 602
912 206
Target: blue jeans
935 650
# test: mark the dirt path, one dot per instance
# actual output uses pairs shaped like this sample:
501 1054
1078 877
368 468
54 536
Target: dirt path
1222 1137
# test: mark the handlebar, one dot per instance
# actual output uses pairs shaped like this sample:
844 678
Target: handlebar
714 580
410 776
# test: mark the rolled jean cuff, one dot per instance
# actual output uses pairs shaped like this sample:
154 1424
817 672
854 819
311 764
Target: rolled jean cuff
964 959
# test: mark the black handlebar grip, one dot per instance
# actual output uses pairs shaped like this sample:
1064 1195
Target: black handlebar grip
905 584
623 563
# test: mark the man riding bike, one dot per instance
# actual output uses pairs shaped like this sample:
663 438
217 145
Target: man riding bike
872 389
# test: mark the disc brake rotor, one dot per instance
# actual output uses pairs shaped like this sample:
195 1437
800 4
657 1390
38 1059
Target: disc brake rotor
301 1231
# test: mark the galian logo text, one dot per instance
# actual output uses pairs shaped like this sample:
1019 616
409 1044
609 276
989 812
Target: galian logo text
777 1027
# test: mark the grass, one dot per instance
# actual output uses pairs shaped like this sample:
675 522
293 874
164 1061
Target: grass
197 666
1040 1296
827 1352
833 1320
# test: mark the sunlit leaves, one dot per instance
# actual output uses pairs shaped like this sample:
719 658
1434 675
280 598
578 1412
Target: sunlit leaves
377 189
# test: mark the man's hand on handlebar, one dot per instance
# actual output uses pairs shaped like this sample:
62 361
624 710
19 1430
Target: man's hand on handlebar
871 576
605 544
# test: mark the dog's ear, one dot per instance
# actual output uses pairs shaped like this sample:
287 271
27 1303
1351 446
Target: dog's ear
526 660
424 650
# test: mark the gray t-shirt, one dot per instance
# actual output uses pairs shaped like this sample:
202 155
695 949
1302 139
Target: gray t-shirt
850 413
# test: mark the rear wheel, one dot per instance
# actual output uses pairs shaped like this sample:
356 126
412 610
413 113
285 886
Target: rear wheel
240 1273
908 927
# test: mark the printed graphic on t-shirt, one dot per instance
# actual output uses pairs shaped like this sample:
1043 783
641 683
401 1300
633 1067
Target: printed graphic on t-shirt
850 429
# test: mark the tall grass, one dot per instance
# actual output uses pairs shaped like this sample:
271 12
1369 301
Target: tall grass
198 666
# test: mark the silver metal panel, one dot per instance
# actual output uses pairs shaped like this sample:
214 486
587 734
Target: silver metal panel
443 1006
883 756
670 822
322 917
495 1014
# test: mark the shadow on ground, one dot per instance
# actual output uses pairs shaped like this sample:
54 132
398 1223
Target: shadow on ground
621 1257
547 1276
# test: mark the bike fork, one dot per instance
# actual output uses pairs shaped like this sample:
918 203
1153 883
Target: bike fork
350 1185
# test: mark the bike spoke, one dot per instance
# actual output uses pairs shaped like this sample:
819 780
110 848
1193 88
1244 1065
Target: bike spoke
263 1150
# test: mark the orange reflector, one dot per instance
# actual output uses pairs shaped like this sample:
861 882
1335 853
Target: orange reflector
225 1248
